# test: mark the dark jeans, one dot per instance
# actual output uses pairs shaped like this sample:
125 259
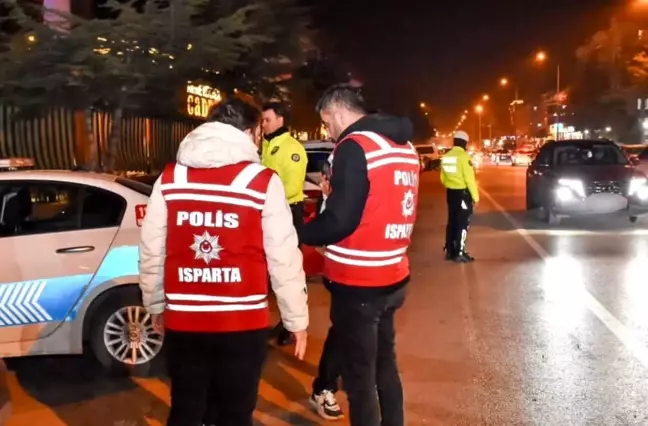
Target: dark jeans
460 208
367 338
329 365
214 376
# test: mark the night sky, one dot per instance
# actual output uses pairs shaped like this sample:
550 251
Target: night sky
447 53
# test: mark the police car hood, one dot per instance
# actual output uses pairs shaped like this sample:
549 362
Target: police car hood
397 129
213 145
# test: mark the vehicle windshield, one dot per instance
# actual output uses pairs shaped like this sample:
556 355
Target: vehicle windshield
423 149
136 186
589 155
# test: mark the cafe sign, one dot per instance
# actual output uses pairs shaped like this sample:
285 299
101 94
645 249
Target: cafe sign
200 98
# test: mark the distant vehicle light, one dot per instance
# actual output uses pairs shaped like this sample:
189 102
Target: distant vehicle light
564 194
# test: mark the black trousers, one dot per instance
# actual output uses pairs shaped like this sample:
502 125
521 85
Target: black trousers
460 209
367 344
214 376
329 370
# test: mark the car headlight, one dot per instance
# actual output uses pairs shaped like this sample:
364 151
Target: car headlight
574 185
639 187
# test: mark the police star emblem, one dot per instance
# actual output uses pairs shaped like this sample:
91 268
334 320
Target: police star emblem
408 204
206 247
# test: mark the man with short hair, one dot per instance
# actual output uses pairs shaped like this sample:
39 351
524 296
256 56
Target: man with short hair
366 228
287 157
217 224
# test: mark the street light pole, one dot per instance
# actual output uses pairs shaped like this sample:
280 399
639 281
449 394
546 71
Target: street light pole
480 128
558 102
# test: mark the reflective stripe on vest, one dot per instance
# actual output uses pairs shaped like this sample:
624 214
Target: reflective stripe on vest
404 155
449 164
238 187
368 258
216 303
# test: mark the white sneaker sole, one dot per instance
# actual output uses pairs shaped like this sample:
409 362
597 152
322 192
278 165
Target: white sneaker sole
320 411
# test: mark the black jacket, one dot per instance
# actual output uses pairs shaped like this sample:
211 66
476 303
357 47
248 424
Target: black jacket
350 188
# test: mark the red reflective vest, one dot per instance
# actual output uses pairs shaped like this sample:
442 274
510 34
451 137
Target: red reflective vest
215 272
375 255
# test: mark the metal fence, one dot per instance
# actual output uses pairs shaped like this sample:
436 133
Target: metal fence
50 139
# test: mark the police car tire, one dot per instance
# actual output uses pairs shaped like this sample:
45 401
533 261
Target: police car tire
128 296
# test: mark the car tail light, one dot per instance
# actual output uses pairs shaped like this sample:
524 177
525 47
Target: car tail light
140 213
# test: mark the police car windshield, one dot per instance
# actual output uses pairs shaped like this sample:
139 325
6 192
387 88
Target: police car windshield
138 187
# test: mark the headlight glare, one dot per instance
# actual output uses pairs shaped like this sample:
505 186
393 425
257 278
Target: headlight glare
638 186
573 184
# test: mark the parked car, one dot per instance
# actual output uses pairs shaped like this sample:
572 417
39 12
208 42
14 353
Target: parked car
523 156
429 156
69 276
502 157
582 177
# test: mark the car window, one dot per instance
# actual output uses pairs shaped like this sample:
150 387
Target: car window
316 160
425 149
589 155
101 208
28 208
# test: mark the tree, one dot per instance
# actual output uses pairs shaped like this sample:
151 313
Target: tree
134 62
620 76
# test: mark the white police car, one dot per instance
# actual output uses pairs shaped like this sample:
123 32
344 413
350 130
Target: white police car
69 276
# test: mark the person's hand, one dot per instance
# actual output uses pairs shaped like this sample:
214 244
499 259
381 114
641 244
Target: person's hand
301 338
158 322
325 185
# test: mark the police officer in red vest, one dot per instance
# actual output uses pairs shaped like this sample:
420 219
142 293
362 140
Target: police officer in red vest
217 224
366 228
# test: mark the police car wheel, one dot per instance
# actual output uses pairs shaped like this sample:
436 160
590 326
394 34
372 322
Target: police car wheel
122 338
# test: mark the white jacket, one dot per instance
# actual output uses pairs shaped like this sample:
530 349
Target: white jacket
215 145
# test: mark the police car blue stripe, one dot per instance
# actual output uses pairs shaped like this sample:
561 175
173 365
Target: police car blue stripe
58 299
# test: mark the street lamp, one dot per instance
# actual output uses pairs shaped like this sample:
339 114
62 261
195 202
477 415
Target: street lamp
479 110
485 97
541 57
422 105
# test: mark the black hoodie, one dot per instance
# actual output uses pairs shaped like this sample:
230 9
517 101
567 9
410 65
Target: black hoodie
350 182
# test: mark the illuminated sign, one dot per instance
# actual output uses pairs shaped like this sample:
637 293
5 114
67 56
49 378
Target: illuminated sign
200 98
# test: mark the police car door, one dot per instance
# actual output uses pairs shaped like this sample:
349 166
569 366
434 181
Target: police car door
53 237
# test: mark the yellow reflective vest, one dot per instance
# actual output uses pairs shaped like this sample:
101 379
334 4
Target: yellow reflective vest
457 172
287 156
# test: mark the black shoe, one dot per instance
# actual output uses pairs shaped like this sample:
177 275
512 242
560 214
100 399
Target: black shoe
448 254
468 256
462 258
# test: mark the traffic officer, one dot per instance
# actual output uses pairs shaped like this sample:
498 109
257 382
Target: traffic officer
287 157
458 176
217 224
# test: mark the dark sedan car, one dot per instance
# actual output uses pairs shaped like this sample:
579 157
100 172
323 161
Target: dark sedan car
581 177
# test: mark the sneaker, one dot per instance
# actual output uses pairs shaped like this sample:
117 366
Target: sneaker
326 405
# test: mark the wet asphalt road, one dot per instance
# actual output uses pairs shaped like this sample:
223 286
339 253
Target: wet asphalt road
548 327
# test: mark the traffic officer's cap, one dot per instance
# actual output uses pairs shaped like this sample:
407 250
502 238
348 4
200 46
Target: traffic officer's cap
461 135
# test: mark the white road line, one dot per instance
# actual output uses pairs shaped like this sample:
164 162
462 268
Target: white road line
623 333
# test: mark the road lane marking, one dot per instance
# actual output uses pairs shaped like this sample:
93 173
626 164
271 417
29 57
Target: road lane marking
623 333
